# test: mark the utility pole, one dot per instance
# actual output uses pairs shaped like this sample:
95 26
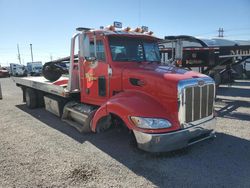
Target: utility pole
139 13
31 53
221 31
18 54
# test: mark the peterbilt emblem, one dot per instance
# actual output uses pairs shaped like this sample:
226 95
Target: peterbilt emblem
201 82
90 77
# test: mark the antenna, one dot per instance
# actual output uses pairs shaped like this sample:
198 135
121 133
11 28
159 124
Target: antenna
18 54
139 13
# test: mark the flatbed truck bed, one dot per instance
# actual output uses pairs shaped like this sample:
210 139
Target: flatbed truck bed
58 88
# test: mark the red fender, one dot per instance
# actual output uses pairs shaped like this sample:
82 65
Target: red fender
133 103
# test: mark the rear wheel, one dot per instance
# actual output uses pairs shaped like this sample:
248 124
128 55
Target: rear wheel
40 99
31 98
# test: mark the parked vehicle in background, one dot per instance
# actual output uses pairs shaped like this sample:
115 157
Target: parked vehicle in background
219 58
17 70
34 68
246 66
4 72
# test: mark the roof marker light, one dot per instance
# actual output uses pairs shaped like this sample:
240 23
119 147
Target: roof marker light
138 30
127 29
110 27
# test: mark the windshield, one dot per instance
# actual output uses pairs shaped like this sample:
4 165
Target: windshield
132 49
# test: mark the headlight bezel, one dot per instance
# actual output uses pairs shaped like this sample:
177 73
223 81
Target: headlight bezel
149 123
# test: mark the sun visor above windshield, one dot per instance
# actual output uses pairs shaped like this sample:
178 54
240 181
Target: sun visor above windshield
129 34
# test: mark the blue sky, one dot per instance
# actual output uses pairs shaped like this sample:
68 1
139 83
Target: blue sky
49 24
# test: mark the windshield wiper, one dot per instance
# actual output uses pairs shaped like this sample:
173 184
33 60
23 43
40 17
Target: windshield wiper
130 59
136 60
158 62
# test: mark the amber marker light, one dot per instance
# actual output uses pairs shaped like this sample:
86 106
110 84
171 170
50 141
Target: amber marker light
127 29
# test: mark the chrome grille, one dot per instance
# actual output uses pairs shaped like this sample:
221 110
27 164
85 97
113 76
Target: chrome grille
198 102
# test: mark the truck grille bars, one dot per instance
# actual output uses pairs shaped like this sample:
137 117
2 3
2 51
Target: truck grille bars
195 100
199 102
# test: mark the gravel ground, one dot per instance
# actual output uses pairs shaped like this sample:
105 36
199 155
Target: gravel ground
39 150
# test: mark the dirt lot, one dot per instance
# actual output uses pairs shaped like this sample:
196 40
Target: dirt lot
39 150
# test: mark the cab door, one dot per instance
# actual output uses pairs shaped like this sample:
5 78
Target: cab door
95 78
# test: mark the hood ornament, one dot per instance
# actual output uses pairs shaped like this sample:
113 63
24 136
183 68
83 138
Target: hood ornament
201 83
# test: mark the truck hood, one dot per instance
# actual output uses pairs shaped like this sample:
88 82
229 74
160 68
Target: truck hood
158 82
150 72
169 73
151 75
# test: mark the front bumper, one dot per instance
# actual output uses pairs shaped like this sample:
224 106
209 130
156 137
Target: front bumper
175 140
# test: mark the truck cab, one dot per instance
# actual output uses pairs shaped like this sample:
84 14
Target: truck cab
125 78
118 74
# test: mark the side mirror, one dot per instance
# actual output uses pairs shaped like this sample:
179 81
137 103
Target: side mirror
84 50
84 45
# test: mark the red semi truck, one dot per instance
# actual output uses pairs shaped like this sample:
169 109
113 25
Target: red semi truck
117 74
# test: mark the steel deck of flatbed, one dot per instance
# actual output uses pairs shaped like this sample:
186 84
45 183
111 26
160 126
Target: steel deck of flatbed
42 84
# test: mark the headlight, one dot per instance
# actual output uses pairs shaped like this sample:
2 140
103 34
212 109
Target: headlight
150 123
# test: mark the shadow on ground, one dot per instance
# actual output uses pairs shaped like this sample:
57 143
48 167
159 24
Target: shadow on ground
220 162
229 109
226 97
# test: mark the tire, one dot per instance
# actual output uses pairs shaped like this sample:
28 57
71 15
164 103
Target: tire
31 98
40 99
51 74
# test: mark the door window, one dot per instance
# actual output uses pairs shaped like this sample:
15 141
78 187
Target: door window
100 52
